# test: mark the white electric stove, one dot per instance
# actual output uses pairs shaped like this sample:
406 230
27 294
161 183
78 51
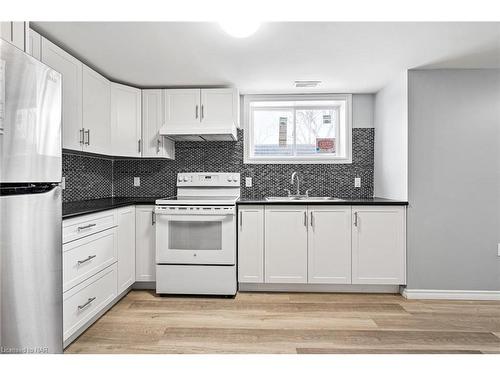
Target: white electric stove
196 235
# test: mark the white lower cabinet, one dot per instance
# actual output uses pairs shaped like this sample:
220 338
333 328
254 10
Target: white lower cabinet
145 243
286 244
83 302
329 245
251 244
379 245
126 247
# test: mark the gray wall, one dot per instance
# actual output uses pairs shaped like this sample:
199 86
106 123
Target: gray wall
454 179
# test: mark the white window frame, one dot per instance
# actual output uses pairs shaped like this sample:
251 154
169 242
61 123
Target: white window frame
316 159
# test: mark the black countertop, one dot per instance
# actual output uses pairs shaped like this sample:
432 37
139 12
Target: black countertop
344 202
77 208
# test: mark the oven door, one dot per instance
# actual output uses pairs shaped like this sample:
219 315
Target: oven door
195 239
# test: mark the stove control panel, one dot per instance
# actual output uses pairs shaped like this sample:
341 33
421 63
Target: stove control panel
208 179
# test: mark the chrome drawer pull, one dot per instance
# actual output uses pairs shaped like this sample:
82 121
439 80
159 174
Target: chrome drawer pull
90 257
86 227
89 301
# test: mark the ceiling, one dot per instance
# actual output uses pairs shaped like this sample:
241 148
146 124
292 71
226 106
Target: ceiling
347 57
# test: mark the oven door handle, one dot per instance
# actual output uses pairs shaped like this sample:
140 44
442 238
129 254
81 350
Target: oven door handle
193 217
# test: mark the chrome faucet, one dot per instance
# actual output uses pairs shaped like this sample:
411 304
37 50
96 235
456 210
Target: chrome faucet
295 176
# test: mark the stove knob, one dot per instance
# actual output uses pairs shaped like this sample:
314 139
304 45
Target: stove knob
229 179
185 179
235 178
179 179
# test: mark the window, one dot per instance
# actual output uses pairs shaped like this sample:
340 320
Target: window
297 129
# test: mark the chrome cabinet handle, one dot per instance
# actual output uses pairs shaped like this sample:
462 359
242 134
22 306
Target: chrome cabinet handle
355 219
196 111
241 220
90 257
202 111
82 136
305 218
139 146
86 227
312 220
153 218
88 137
158 143
89 301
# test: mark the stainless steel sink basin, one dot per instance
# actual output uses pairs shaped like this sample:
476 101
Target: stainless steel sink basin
306 199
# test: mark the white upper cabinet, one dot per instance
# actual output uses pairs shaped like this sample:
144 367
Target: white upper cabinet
153 145
379 245
34 46
219 107
286 244
182 107
13 32
96 104
251 244
125 120
71 70
201 114
329 253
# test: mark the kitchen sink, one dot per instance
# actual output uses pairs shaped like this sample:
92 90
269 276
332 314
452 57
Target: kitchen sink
302 198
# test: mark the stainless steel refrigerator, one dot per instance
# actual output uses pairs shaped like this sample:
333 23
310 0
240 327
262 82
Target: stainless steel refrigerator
30 205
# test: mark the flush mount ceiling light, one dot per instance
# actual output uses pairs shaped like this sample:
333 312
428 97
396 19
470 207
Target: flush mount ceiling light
303 83
240 28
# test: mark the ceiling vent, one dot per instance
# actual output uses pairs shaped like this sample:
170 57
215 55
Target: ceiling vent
307 83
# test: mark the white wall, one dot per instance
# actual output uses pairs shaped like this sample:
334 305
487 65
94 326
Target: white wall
391 140
454 179
362 110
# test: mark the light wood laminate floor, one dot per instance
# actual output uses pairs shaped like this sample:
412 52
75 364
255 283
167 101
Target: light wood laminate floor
143 322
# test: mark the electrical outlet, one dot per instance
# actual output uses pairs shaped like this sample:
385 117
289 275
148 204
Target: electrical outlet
137 181
498 250
357 182
63 183
248 181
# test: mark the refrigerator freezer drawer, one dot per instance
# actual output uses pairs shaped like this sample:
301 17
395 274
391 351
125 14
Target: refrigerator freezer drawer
83 226
85 257
86 300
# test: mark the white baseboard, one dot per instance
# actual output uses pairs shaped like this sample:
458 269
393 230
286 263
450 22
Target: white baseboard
479 295
317 288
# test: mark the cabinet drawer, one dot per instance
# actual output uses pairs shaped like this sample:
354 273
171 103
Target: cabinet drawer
82 303
82 226
85 257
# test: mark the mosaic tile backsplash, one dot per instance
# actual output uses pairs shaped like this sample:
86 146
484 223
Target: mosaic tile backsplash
87 177
102 178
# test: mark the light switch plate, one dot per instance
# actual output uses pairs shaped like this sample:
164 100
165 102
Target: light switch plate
498 250
357 182
63 183
248 181
137 181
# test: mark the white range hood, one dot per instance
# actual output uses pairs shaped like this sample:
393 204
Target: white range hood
187 133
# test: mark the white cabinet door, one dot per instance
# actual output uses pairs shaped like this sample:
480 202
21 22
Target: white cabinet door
145 254
182 107
154 146
34 47
219 107
286 244
71 70
96 104
126 247
13 32
329 252
379 245
251 244
125 120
